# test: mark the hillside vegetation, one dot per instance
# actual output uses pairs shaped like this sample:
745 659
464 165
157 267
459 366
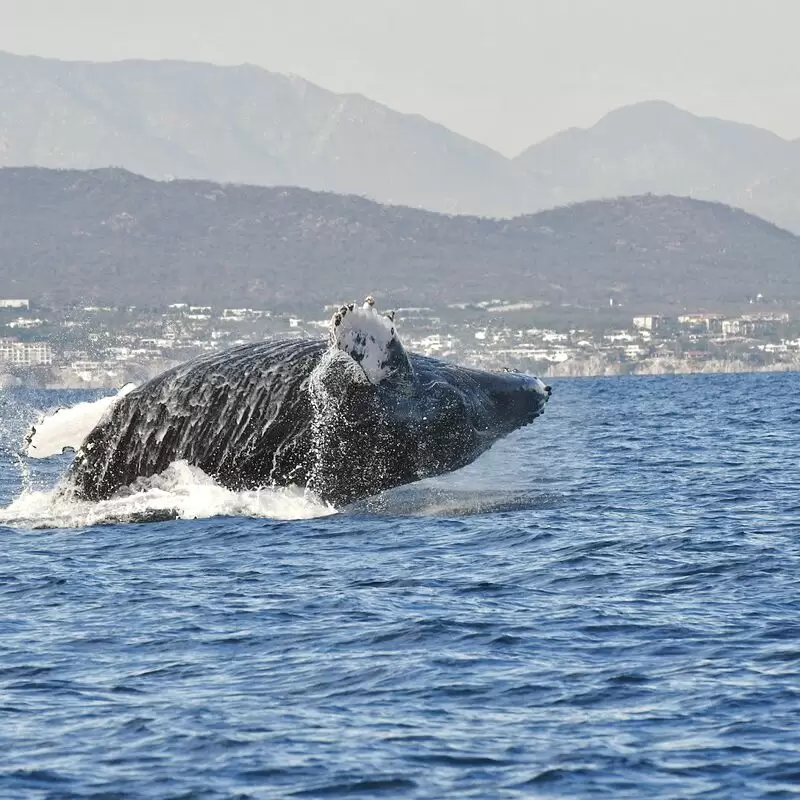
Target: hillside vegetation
109 236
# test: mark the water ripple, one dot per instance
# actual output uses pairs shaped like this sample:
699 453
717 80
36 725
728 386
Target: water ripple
606 604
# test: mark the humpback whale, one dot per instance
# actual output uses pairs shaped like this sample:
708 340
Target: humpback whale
346 418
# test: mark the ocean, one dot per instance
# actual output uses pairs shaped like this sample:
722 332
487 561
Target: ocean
606 604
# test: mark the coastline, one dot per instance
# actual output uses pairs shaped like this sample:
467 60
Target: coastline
595 368
64 378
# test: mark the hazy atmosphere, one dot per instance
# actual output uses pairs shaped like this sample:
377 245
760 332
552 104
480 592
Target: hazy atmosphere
506 73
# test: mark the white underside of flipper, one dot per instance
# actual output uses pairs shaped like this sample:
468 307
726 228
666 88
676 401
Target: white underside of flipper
369 338
66 428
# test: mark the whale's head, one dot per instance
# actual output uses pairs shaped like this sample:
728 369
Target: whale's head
384 417
456 413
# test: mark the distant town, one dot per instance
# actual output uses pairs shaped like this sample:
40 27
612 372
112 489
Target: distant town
105 347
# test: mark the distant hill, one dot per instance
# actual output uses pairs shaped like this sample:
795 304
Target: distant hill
656 147
247 125
113 237
242 125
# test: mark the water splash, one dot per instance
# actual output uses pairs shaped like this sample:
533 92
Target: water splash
423 500
180 492
327 387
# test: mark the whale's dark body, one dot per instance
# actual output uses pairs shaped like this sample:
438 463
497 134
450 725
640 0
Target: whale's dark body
249 418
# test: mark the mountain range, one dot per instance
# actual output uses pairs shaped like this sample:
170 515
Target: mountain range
112 237
246 125
656 147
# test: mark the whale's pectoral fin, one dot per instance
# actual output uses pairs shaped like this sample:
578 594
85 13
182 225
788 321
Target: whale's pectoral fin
371 341
66 428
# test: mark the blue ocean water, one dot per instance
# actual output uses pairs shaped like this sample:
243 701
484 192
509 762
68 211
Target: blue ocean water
605 604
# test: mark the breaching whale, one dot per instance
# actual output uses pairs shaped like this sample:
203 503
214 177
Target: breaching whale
346 418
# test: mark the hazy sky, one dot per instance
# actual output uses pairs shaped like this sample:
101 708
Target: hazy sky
504 72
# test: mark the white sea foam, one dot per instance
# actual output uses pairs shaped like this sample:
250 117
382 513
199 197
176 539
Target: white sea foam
180 492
